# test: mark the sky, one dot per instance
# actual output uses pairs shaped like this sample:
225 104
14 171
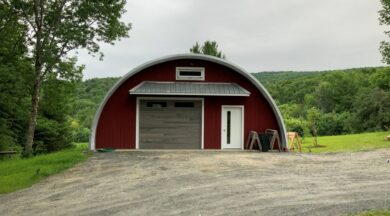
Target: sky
258 35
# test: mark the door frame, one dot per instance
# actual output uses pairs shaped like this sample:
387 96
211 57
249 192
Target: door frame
242 123
168 98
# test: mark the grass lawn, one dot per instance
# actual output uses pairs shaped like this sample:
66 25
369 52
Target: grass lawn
18 173
347 143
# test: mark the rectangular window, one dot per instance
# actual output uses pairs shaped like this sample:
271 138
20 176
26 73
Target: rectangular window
156 104
185 104
189 73
228 128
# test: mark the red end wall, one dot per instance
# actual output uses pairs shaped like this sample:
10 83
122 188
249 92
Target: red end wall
116 126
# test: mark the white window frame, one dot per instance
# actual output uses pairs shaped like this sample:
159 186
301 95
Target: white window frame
200 69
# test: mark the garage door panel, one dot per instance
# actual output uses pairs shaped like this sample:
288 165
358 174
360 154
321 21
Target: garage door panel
170 127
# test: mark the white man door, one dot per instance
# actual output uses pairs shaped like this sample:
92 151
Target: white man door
232 127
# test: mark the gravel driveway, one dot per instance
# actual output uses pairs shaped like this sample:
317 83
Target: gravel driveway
211 183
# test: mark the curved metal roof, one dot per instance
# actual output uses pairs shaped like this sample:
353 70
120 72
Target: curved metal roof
220 61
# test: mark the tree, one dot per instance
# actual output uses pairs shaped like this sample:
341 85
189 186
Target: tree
381 79
14 80
334 123
57 27
372 109
196 49
208 48
313 116
384 19
53 131
337 90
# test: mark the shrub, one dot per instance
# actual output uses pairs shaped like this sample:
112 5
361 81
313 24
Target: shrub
51 135
334 123
81 135
296 125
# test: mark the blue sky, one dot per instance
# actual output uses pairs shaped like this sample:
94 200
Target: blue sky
258 35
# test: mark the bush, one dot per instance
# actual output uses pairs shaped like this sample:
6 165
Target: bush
334 123
296 125
7 139
81 134
372 110
51 135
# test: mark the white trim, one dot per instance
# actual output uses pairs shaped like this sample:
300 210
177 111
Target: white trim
242 123
198 69
200 83
192 94
202 131
137 86
168 98
137 124
251 78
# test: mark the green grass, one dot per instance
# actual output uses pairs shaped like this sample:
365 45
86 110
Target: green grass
347 143
18 173
372 213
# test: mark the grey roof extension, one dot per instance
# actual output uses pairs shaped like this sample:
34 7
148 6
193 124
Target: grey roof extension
189 89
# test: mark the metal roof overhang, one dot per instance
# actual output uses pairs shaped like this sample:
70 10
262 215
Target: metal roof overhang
189 89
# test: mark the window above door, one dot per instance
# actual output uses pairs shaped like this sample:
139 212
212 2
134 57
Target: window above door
190 73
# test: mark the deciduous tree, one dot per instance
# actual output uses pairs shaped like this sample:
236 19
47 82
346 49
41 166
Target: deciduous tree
14 79
384 19
58 27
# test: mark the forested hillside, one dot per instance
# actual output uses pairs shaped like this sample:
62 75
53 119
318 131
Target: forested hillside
88 97
333 102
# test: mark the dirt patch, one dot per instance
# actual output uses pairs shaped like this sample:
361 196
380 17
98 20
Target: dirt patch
211 183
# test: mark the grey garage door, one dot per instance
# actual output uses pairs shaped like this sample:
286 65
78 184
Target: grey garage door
167 124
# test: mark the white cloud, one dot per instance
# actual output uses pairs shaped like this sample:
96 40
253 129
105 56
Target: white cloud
258 35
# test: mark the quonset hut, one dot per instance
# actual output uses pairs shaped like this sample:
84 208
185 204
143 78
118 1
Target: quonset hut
185 101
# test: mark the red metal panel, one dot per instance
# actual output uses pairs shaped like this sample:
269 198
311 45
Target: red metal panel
116 126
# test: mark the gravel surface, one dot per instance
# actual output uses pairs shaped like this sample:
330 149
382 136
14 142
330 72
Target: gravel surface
211 183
